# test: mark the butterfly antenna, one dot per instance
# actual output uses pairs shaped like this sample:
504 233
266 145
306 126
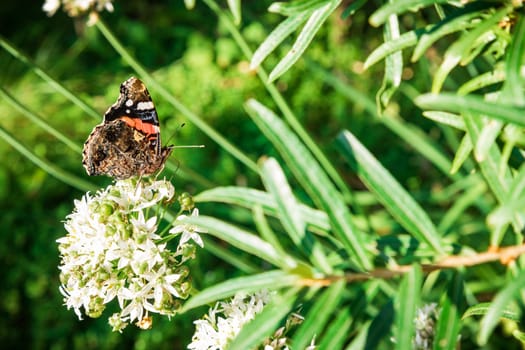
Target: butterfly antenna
175 132
182 146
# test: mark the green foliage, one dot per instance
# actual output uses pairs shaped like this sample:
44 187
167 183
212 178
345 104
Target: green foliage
330 226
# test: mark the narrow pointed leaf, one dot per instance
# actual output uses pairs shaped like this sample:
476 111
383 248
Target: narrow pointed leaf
407 39
498 306
380 16
513 87
462 154
407 302
319 315
247 197
391 194
276 37
337 332
450 25
498 182
235 9
243 263
290 214
313 179
481 81
445 118
45 165
316 20
462 47
473 104
295 7
271 280
448 322
481 309
241 239
393 65
35 119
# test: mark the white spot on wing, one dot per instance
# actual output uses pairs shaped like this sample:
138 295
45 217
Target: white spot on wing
128 111
129 103
145 105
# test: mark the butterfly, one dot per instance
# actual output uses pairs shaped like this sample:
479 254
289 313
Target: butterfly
127 143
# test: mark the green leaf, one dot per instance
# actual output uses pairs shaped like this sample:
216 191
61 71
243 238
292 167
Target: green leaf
482 309
248 198
337 332
448 322
313 179
481 81
319 314
487 138
498 307
381 15
445 118
37 120
461 48
264 323
391 46
512 205
389 192
235 8
266 232
190 4
352 8
498 182
519 335
378 330
271 280
406 304
242 263
55 84
512 91
288 210
47 166
412 135
241 239
472 104
460 205
449 25
276 37
296 7
290 214
393 65
306 36
462 153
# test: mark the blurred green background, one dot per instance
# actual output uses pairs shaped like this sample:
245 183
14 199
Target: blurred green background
193 56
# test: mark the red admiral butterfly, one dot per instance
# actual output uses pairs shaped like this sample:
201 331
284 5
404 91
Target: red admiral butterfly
127 143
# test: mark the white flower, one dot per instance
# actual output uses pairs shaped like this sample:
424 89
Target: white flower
425 323
113 251
215 332
189 232
75 8
51 6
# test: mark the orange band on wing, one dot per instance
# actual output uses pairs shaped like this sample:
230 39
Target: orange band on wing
137 124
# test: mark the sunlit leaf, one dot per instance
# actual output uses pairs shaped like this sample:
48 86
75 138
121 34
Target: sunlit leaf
391 194
316 20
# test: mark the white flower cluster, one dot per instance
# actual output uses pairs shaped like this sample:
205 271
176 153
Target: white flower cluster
75 8
214 332
425 323
225 320
112 250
